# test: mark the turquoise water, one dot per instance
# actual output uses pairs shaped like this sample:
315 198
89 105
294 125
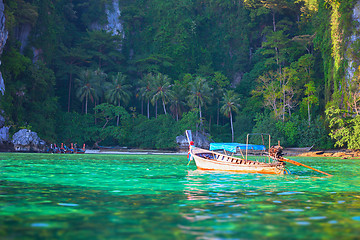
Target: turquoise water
45 196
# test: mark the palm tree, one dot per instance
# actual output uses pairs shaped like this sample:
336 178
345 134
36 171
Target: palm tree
231 102
146 89
200 93
86 84
117 91
72 57
162 90
99 83
177 100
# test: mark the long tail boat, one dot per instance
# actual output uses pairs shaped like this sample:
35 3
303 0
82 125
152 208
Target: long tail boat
273 163
210 160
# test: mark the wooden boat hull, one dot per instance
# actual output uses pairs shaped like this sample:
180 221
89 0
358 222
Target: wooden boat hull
209 160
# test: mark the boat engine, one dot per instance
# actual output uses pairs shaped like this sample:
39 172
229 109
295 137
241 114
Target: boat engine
276 151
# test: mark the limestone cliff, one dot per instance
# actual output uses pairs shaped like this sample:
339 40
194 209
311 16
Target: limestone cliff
4 131
352 55
3 38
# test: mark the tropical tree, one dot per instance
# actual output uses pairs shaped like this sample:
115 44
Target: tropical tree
117 91
276 90
106 112
269 90
178 99
200 95
162 90
310 98
145 90
99 84
104 47
72 58
275 46
230 104
86 85
218 83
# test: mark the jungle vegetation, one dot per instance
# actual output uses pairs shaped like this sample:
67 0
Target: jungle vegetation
223 67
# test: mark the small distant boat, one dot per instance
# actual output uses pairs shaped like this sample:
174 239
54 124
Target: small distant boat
303 149
273 163
64 149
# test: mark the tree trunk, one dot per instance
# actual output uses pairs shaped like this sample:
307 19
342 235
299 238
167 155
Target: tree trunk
156 109
232 128
200 115
276 48
218 112
86 104
118 117
148 109
210 124
69 95
309 117
164 106
94 113
283 111
273 19
176 112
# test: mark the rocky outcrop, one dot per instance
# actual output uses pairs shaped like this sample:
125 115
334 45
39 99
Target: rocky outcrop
28 141
115 25
351 57
4 134
199 139
22 35
5 145
4 131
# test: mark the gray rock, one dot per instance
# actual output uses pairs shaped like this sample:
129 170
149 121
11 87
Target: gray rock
115 24
23 33
27 141
4 134
3 31
182 142
200 140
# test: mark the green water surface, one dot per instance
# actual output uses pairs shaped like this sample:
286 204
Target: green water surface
92 196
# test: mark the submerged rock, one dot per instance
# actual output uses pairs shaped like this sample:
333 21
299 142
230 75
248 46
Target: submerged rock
27 141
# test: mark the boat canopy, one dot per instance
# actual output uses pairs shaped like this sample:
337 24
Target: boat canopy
232 147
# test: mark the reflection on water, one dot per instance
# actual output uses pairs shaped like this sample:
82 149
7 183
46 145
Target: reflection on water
159 197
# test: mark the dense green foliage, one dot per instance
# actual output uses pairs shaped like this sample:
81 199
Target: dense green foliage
227 68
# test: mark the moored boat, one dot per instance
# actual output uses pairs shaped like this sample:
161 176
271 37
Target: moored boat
64 149
211 160
273 163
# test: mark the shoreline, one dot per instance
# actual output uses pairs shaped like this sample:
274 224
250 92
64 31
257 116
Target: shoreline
340 153
134 152
290 152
